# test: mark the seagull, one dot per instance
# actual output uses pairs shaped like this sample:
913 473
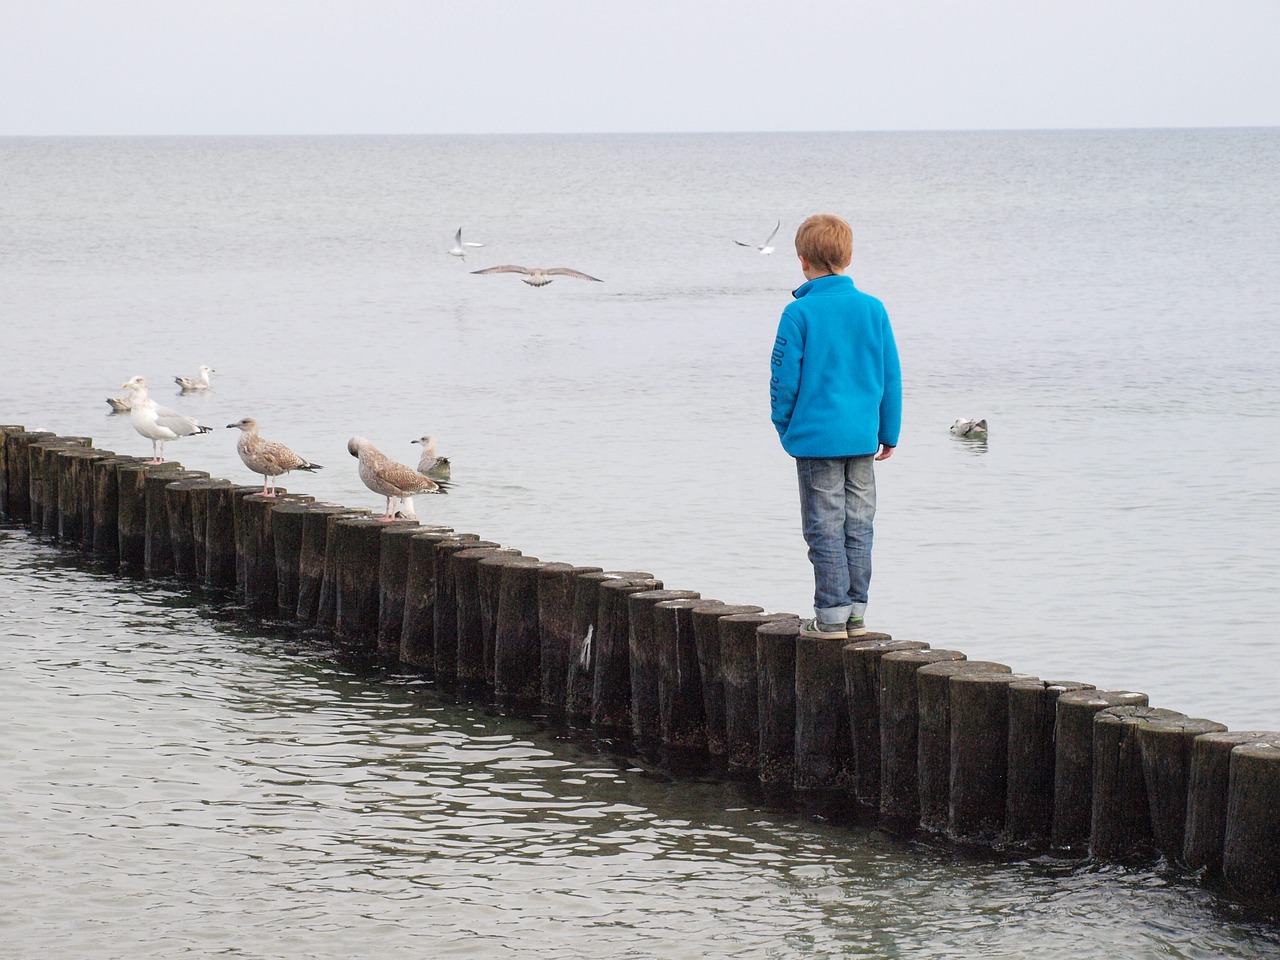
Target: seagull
766 246
383 475
195 383
156 423
970 429
119 404
458 248
537 276
266 456
430 465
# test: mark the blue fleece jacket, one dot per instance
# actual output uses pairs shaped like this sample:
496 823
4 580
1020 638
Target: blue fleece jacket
836 388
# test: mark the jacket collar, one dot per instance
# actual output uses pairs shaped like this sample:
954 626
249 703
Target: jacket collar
828 284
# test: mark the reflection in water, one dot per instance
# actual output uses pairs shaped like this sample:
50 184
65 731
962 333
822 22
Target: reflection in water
182 782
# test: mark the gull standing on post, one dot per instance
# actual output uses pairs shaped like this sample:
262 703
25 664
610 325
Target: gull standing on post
266 456
385 476
459 248
539 276
765 247
157 423
200 382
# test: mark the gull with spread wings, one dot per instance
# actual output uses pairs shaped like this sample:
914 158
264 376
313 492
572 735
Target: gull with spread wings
459 248
539 276
767 246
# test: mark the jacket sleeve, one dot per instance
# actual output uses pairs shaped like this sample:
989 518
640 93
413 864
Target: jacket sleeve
784 373
891 399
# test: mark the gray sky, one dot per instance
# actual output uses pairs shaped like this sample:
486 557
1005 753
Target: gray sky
501 66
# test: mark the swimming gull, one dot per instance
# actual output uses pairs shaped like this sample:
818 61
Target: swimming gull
459 248
539 276
200 382
119 404
429 464
765 247
157 423
267 457
970 429
385 476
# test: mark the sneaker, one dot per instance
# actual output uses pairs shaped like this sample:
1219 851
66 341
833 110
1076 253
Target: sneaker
823 631
856 627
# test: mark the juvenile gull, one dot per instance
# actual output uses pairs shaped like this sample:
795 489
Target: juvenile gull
539 276
200 382
385 476
970 429
430 465
157 423
267 457
119 404
459 248
765 247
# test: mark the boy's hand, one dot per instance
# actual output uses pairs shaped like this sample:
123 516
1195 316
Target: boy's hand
885 452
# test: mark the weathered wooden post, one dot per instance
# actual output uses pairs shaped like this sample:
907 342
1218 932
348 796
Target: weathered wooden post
198 496
706 637
17 446
393 585
580 684
645 662
1121 817
222 567
1251 849
106 500
418 632
682 722
517 646
489 573
1209 789
933 688
43 473
357 544
131 513
776 707
611 692
256 548
5 430
1033 709
1166 747
900 730
740 675
287 519
861 661
157 560
470 666
555 631
75 495
445 622
1073 762
179 497
313 563
979 786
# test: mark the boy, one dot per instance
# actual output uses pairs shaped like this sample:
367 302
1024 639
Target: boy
836 398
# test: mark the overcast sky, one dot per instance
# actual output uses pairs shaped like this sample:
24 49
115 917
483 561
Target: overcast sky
505 66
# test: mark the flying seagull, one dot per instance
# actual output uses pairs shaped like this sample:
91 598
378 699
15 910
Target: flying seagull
766 246
430 465
157 423
266 456
385 476
200 382
459 248
970 429
537 276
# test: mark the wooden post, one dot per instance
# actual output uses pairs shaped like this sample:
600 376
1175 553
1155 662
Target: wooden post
393 584
469 667
740 674
357 545
1121 821
312 552
179 497
1033 708
75 495
17 446
489 574
611 692
979 785
286 534
256 548
706 638
517 646
43 473
645 663
1166 747
1073 762
445 622
776 705
556 583
158 539
861 663
933 688
5 430
106 501
681 721
900 729
222 559
131 513
580 685
418 632
1209 789
1251 851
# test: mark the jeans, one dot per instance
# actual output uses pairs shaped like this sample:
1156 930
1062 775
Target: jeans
837 507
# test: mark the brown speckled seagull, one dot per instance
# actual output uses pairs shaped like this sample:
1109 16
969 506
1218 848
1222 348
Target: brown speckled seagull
385 476
266 456
538 276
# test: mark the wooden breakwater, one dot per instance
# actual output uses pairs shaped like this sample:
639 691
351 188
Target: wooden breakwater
919 739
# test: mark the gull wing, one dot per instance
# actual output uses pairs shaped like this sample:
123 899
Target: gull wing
769 239
567 272
402 478
176 422
505 268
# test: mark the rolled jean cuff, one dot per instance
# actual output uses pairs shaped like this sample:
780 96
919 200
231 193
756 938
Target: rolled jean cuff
834 614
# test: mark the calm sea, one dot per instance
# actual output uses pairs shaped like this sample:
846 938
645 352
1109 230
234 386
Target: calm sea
180 784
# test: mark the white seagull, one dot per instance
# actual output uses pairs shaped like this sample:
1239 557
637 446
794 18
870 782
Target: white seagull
765 247
538 276
429 464
459 248
385 476
266 456
200 382
157 423
970 429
